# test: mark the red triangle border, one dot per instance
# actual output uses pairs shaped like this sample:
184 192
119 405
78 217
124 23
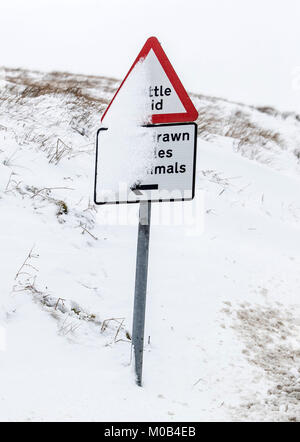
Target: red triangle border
191 113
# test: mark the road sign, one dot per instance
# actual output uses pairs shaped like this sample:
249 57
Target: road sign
169 177
164 151
167 100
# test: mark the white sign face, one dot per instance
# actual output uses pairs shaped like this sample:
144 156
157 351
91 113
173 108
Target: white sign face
162 95
171 175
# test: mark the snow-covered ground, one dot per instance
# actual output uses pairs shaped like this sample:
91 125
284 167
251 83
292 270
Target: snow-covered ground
223 312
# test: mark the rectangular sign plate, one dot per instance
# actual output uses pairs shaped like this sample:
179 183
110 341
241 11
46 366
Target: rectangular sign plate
172 175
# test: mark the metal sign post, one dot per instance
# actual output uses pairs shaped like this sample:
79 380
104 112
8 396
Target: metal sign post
141 288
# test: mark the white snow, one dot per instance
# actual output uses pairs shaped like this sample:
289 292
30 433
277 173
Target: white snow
223 318
126 148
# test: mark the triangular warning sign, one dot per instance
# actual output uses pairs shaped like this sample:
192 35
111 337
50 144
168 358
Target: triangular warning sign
167 100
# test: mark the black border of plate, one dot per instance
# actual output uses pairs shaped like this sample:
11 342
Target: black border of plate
156 200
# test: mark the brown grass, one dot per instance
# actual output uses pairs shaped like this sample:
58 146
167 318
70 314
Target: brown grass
238 125
61 83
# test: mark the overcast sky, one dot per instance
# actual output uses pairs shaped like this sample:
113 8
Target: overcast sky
245 50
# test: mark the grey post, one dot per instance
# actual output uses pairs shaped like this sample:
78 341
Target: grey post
141 288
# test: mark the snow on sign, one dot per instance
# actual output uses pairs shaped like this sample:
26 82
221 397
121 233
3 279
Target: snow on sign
167 100
167 175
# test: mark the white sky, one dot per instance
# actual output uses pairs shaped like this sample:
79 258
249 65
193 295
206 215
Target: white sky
245 50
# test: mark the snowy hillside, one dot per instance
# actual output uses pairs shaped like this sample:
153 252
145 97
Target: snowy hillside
223 312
